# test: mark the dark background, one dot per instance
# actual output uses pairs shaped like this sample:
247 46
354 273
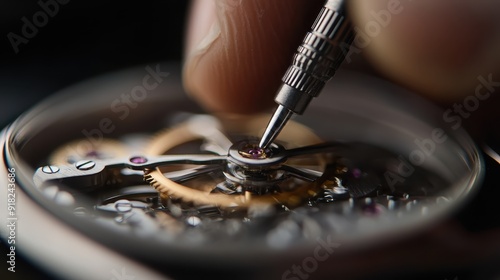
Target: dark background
88 38
84 39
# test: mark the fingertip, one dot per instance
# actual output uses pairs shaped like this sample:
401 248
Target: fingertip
434 47
249 49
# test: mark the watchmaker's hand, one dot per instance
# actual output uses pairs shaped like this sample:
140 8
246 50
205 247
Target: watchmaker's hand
237 51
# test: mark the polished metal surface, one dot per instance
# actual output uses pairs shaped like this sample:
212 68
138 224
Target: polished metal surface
315 62
211 197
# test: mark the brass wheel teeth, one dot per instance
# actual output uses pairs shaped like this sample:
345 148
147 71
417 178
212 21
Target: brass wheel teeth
150 180
164 192
162 142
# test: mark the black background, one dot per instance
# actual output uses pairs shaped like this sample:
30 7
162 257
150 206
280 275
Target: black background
84 39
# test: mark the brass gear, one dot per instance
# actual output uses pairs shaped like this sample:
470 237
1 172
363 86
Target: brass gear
293 135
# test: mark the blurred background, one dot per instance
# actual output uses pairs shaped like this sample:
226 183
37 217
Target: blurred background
88 38
82 40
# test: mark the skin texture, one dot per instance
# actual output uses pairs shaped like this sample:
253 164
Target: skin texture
437 48
238 50
239 67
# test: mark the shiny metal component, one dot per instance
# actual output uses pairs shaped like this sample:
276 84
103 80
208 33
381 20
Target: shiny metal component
244 173
276 124
156 232
95 172
243 180
85 164
50 169
260 175
237 151
123 206
315 62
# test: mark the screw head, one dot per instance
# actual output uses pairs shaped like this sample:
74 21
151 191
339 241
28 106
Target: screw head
123 206
50 169
85 164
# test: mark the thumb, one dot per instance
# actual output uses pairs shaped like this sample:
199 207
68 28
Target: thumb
237 51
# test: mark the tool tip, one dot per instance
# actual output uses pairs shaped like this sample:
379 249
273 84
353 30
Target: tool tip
277 122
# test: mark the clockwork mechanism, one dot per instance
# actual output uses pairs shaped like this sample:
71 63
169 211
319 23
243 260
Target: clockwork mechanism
181 185
207 176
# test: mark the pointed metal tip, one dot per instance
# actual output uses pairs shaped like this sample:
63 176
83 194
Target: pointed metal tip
265 141
275 125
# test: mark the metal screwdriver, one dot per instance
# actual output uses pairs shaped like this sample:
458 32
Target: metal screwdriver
315 62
